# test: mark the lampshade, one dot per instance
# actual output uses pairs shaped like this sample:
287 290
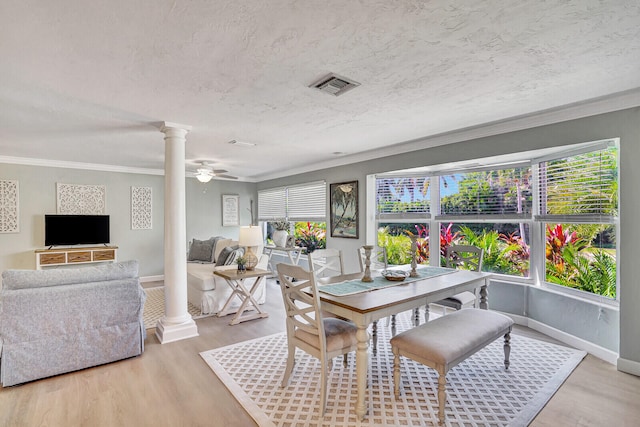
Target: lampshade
250 236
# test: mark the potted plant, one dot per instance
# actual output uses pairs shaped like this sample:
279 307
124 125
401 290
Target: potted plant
281 232
242 264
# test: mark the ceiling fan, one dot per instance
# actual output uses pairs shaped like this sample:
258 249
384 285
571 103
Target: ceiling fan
205 172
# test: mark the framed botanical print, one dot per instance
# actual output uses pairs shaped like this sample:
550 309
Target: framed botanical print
343 208
230 210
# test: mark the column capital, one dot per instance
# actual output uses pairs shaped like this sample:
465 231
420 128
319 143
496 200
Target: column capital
174 129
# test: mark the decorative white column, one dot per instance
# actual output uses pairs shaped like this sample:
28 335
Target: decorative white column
176 324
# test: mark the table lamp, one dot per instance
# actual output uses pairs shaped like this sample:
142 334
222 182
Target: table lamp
250 237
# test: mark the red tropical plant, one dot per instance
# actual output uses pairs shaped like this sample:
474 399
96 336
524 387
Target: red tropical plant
447 238
517 252
557 240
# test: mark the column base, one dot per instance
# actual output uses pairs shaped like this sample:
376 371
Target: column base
175 332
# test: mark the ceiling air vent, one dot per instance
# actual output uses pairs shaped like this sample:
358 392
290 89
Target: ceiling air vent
334 84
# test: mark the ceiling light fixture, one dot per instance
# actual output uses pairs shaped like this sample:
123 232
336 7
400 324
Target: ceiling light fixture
204 175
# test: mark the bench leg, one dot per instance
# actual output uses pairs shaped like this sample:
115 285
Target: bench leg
396 373
442 395
507 349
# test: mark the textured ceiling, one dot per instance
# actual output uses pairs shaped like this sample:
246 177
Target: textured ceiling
88 82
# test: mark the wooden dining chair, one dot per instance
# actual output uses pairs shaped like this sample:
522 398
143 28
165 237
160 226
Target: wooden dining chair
323 338
326 262
465 257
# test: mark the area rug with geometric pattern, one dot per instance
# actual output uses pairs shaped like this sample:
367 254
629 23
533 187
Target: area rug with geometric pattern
480 392
154 307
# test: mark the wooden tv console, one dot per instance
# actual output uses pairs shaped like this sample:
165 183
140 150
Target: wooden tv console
71 256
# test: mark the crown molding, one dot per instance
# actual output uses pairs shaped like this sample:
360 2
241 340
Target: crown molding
77 165
95 167
592 107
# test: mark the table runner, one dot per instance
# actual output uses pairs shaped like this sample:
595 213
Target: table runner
350 287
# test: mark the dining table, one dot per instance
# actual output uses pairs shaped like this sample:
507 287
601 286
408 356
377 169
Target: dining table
365 307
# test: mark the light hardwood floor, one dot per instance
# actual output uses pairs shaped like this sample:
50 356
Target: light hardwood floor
170 385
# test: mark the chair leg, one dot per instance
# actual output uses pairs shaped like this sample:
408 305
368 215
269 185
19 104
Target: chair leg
323 389
396 373
442 395
507 349
291 360
416 316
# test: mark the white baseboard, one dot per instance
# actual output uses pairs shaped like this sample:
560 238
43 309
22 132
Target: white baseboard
157 278
629 366
595 350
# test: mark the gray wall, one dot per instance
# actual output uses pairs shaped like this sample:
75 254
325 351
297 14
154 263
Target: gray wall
204 212
38 196
623 124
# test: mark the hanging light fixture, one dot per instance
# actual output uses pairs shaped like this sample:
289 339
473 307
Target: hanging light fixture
204 175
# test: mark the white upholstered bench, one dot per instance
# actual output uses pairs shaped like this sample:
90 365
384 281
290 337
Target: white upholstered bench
444 342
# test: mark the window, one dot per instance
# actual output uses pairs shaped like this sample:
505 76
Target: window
402 207
555 216
578 205
479 208
488 194
304 206
295 203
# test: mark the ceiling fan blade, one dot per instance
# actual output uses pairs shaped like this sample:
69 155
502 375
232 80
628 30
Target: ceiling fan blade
226 176
203 171
219 171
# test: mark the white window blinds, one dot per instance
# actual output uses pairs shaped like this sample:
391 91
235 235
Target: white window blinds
579 188
402 197
307 201
272 204
487 194
296 203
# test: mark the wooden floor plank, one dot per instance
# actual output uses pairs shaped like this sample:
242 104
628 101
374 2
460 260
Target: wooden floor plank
171 385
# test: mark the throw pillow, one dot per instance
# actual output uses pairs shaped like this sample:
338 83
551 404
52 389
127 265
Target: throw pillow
201 250
228 255
233 256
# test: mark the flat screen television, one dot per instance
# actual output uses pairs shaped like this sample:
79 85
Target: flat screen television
76 230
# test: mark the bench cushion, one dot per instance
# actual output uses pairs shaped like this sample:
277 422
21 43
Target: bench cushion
447 339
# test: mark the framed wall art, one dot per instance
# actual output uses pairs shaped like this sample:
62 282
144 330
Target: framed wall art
141 208
81 199
343 207
9 203
230 210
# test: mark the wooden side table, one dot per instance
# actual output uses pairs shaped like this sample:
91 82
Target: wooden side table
236 280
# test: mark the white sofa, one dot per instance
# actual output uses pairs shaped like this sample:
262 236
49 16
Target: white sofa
210 292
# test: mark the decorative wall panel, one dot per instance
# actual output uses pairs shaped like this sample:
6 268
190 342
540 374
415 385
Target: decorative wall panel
81 199
141 212
9 214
